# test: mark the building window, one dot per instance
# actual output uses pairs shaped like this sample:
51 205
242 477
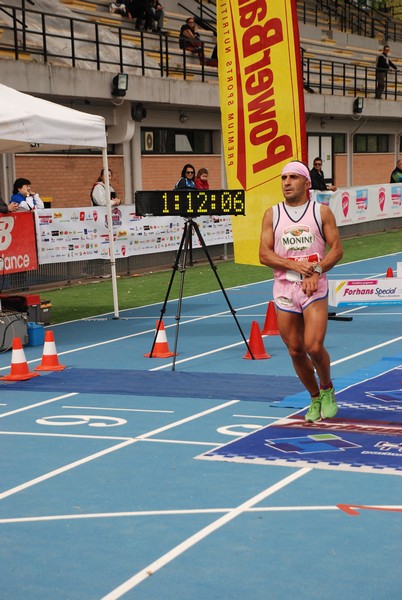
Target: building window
339 143
370 143
175 141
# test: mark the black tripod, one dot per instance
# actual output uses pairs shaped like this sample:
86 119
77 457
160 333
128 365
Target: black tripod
185 248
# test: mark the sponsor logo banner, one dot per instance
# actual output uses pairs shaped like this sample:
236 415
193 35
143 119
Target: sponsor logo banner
361 292
362 204
262 107
71 234
17 243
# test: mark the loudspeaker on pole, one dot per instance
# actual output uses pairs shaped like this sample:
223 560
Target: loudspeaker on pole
256 344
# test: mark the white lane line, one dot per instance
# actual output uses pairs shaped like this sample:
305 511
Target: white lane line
127 442
254 417
68 467
24 408
152 568
195 356
366 351
163 513
110 438
145 410
145 332
183 442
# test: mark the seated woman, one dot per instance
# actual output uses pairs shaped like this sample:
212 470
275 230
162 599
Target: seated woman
98 192
189 38
24 196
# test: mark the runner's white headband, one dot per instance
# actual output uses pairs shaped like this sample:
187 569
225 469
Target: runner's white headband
297 167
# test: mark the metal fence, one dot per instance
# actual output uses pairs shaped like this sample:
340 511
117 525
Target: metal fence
62 274
72 41
343 79
351 16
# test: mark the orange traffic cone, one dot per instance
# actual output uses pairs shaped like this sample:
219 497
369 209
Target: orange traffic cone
19 365
271 322
256 343
50 362
161 347
390 272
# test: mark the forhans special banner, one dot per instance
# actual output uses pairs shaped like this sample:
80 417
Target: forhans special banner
262 106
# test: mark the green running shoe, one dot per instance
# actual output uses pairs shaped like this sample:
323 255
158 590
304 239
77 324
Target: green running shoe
314 411
329 407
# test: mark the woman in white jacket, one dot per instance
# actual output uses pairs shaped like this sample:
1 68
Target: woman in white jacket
98 193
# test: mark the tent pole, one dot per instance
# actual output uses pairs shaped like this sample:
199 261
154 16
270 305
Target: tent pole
110 230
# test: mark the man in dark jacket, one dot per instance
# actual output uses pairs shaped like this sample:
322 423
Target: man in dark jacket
383 64
396 175
317 177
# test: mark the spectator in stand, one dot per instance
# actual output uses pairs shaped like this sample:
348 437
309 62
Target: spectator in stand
187 178
98 192
201 179
158 14
140 10
119 8
396 175
383 65
189 38
24 196
317 177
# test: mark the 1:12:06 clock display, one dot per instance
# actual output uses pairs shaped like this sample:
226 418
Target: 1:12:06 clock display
190 203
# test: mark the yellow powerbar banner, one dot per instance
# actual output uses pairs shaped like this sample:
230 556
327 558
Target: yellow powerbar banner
262 106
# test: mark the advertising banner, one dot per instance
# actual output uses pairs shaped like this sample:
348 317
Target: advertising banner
361 292
17 243
262 106
71 234
362 204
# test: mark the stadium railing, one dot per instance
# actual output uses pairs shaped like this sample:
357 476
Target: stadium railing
81 42
349 16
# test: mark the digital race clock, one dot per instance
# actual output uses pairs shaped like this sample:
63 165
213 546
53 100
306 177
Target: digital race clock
190 203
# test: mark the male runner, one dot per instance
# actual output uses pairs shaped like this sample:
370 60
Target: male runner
293 242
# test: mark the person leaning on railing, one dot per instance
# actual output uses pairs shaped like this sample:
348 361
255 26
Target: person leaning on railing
396 175
383 64
317 177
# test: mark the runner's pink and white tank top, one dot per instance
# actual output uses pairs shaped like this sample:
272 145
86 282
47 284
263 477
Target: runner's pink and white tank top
298 235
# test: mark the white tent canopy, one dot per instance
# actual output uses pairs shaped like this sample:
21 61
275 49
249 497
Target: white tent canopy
26 121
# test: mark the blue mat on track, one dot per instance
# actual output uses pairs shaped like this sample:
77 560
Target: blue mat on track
364 436
174 384
302 399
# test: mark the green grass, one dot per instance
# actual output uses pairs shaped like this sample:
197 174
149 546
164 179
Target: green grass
94 298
